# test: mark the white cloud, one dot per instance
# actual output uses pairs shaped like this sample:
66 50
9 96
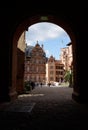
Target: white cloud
43 31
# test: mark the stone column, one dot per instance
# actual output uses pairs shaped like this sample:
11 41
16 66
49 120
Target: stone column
13 72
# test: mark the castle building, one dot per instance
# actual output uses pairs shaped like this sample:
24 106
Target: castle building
35 64
54 70
66 56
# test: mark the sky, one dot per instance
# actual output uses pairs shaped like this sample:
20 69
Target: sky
52 36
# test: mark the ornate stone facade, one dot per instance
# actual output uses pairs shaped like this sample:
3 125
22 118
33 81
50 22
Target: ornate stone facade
66 57
35 64
54 71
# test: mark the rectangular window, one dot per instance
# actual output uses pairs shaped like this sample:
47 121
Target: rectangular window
51 67
51 72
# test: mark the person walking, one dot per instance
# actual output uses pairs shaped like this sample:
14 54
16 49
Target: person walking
41 84
49 84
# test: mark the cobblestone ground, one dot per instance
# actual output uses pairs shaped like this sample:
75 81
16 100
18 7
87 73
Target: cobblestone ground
44 108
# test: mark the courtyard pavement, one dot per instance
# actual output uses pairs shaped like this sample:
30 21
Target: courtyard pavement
44 108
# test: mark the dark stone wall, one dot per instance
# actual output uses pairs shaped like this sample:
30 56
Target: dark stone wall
74 14
20 71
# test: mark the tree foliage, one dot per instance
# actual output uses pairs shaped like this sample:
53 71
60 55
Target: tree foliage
67 76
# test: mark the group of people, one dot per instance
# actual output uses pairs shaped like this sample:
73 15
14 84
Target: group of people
48 84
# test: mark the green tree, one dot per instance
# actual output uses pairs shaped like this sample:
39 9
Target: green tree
67 76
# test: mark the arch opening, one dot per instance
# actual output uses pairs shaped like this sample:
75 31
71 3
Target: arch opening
53 40
24 27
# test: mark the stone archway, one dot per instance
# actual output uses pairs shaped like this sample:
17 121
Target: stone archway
24 26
